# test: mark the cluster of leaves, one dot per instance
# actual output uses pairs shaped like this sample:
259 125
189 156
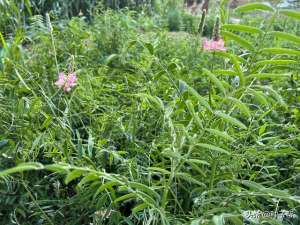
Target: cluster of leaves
157 131
14 14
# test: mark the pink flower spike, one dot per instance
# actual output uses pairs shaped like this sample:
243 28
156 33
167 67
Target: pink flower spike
206 45
61 80
66 82
72 80
212 45
220 45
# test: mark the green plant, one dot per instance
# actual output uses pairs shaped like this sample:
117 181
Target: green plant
157 131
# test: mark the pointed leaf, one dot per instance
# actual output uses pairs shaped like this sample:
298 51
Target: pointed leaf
215 80
242 28
213 148
254 6
230 119
238 39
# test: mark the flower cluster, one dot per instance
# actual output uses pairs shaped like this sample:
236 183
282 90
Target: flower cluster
214 45
66 82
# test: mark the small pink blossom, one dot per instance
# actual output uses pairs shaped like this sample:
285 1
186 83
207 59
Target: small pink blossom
66 82
61 80
212 45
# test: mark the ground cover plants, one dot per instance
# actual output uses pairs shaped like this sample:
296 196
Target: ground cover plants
120 119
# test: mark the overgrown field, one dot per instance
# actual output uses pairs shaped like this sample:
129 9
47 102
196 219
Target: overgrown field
142 116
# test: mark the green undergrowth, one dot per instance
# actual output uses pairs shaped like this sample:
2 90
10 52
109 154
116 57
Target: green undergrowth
157 131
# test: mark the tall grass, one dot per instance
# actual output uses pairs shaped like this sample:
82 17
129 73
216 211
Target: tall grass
157 131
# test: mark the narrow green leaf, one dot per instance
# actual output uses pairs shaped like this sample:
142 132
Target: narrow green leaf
73 175
242 106
90 145
291 13
147 199
252 184
107 185
145 189
170 154
254 6
221 134
268 76
125 197
139 207
3 42
21 168
274 94
286 36
195 116
280 51
150 47
88 178
275 62
111 58
242 28
28 6
215 80
269 192
58 167
189 178
236 61
198 161
238 39
47 122
259 96
201 99
213 148
157 169
80 148
152 100
238 69
231 120
262 129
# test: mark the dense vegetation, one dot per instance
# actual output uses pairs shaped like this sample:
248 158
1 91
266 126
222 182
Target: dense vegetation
158 129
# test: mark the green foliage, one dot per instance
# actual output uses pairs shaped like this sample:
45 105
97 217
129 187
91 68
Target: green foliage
157 130
174 20
254 6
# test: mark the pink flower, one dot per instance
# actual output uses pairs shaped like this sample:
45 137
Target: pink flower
61 80
212 45
66 82
206 44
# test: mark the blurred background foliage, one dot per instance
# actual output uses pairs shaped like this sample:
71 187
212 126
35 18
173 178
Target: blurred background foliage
15 14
